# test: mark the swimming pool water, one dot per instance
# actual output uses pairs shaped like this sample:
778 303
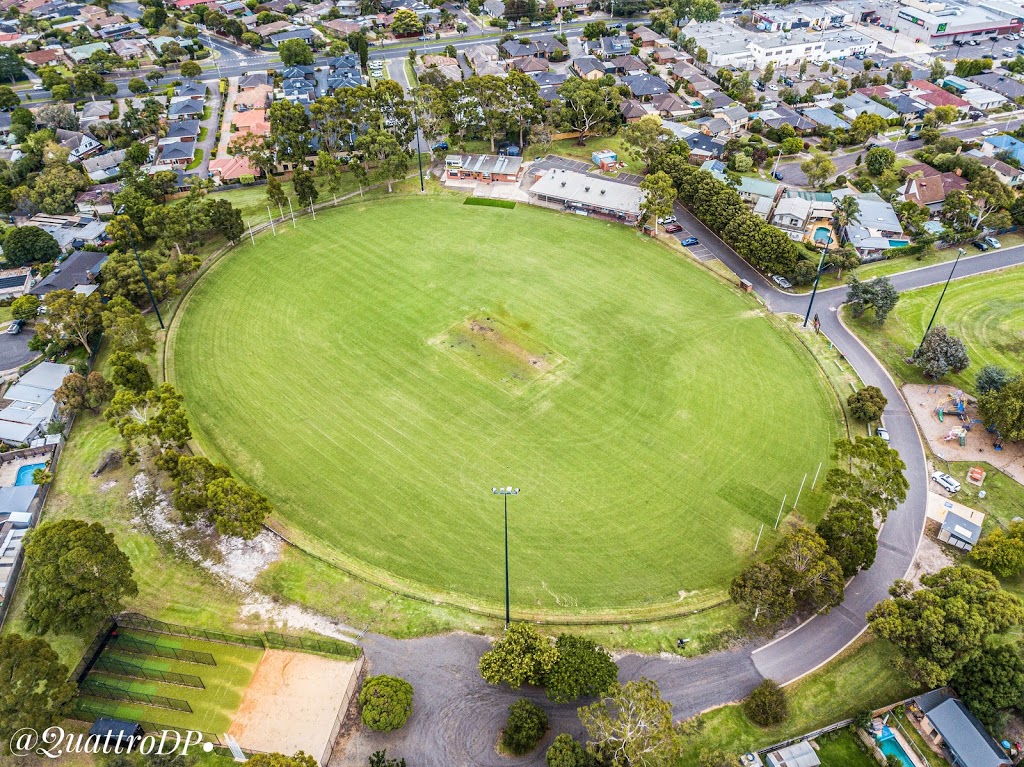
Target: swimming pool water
25 473
822 234
888 745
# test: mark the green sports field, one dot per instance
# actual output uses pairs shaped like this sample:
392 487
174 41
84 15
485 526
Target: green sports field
376 371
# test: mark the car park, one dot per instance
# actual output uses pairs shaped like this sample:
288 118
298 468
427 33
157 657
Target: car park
946 482
980 245
673 228
690 242
1008 50
782 282
992 242
990 132
833 79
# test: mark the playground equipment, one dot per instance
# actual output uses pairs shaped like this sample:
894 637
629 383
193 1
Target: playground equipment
959 433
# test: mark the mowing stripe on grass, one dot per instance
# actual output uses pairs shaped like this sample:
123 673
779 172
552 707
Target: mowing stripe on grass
489 203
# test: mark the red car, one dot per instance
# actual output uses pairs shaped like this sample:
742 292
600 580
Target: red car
673 228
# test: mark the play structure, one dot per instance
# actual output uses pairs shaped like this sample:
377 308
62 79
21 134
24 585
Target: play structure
959 433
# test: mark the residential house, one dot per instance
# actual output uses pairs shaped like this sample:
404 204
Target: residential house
588 68
644 87
228 170
72 232
342 28
104 166
80 145
825 117
704 147
266 30
666 56
181 130
932 190
257 97
758 194
713 126
1005 172
96 111
781 115
119 31
948 724
878 228
299 91
130 50
543 49
184 108
646 37
348 61
353 78
485 168
299 72
31 407
589 195
176 154
610 47
626 65
15 282
526 65
684 70
1001 82
45 57
995 146
718 100
632 110
313 13
479 55
303 33
193 89
983 99
800 754
78 272
251 121
800 214
671 106
858 104
97 200
16 507
549 79
908 107
933 95
82 53
736 116
253 80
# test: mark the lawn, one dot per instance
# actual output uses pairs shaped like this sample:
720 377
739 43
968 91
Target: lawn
212 707
862 678
252 200
986 312
843 749
332 367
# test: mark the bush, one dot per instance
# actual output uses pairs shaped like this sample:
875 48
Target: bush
565 752
386 702
766 705
526 725
867 404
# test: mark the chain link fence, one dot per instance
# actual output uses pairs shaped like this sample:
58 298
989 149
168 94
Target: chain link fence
311 644
116 667
97 689
145 623
138 647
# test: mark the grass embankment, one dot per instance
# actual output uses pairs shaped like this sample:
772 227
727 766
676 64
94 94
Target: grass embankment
383 455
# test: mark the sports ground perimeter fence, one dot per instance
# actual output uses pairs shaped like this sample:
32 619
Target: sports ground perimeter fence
116 667
133 646
309 644
97 689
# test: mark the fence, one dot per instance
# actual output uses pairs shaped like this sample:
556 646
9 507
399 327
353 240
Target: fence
311 644
117 667
95 689
138 647
145 623
86 712
93 652
808 736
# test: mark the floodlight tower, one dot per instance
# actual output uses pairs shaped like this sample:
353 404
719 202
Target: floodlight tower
505 492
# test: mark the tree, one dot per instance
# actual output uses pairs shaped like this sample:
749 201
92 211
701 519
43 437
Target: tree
526 725
9 99
944 115
847 212
879 159
12 66
943 627
646 139
866 126
993 683
848 530
912 216
56 187
304 186
791 145
70 316
818 169
236 509
29 245
704 10
763 592
989 379
586 108
295 52
594 30
659 196
138 86
958 210
36 692
385 702
941 353
330 170
42 477
632 726
878 294
225 218
767 705
521 656
1002 551
565 751
129 372
867 404
406 22
582 670
192 69
275 192
126 328
192 478
25 308
75 576
289 132
1004 409
874 474
391 161
156 417
77 391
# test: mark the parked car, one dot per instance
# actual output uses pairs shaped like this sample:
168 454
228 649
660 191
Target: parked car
980 245
882 434
15 327
1007 50
782 282
990 132
673 228
667 220
773 87
946 482
992 242
690 242
776 175
440 146
833 79
787 81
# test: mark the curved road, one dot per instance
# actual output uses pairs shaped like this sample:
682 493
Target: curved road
457 716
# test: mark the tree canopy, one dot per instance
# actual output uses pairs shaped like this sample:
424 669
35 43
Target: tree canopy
632 725
941 353
36 692
521 656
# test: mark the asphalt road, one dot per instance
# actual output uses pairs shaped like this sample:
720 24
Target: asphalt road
457 716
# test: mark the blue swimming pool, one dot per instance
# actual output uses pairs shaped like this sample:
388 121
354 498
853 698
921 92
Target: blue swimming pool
889 746
822 234
25 473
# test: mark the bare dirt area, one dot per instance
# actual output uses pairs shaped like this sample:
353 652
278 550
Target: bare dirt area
295 702
924 402
931 555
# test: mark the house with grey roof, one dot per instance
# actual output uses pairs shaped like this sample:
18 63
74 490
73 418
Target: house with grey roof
877 229
950 725
183 108
825 118
80 145
191 89
104 167
176 154
1001 82
304 33
94 111
858 104
30 405
800 754
644 87
588 68
78 272
759 194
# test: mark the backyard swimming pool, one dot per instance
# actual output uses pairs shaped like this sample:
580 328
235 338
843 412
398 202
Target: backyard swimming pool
889 746
25 473
822 234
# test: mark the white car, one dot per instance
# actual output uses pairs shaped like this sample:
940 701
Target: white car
990 132
667 220
946 482
823 81
773 87
882 434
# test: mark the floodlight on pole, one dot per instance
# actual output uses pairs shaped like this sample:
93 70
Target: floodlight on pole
960 252
138 260
505 492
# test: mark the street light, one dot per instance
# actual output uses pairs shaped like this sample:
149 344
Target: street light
505 492
959 252
817 278
138 260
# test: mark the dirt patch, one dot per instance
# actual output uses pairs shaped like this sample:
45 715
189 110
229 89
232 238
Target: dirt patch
295 702
924 403
508 346
931 555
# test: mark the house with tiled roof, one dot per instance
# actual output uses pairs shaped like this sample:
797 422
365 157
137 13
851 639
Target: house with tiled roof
588 68
932 94
228 170
1005 172
645 86
646 37
80 145
992 146
625 65
251 121
671 106
632 110
257 97
931 191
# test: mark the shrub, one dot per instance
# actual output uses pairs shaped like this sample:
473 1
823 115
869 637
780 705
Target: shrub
386 702
767 704
565 752
867 404
526 725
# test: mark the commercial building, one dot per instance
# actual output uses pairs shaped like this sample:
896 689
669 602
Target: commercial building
943 23
487 168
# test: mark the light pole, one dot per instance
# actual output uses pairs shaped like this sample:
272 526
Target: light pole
419 155
817 277
138 260
505 492
959 253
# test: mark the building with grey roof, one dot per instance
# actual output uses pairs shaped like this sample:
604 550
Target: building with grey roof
30 405
800 754
77 272
949 724
825 117
588 195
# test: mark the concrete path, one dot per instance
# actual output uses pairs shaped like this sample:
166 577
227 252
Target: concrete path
229 113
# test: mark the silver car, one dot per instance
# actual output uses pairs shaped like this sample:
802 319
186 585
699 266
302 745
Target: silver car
946 482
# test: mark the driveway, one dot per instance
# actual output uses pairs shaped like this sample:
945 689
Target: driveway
14 351
209 144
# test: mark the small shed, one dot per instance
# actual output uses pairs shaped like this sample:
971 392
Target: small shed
120 730
959 531
605 159
800 754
